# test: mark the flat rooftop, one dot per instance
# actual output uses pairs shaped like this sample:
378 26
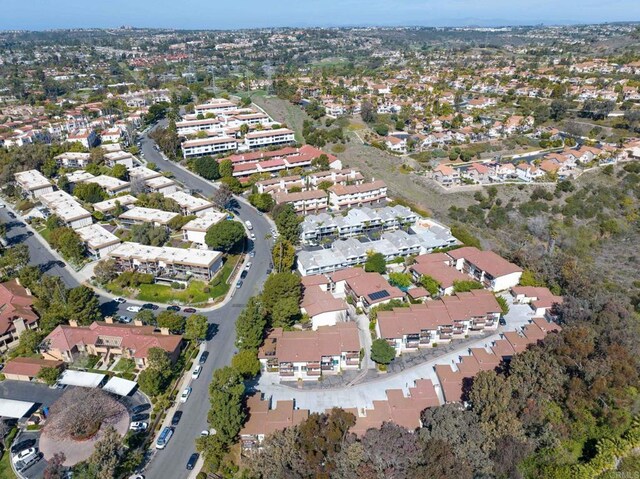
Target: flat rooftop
64 205
192 257
189 202
32 180
110 204
148 215
108 183
96 236
204 222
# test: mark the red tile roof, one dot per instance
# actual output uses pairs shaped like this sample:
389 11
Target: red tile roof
29 366
15 302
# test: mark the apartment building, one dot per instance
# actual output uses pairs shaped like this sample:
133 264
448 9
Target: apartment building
356 221
344 177
86 138
370 289
113 186
281 184
142 173
208 146
214 106
303 202
65 207
322 307
98 240
161 184
195 230
114 158
438 266
105 339
188 127
492 270
438 321
541 300
108 206
138 215
349 252
33 183
261 139
308 355
16 313
166 262
191 205
263 420
341 196
72 159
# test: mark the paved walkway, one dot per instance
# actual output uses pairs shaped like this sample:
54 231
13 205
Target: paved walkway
362 395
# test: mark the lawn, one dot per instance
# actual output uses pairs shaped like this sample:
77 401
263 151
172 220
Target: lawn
5 466
197 292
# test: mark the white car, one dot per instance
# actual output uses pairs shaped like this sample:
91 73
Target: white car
138 426
185 394
204 433
252 236
195 374
249 225
124 319
120 300
24 454
134 309
248 266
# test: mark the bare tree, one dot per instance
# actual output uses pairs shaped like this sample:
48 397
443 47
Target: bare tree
221 196
80 412
55 467
4 429
137 185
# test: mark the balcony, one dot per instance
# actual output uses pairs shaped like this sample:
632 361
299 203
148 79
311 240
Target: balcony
445 337
286 373
313 372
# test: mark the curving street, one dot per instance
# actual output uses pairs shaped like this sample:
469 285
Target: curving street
171 461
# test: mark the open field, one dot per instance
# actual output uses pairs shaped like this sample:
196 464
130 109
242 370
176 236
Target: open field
284 112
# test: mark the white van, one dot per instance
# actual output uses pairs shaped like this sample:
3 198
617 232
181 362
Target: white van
164 437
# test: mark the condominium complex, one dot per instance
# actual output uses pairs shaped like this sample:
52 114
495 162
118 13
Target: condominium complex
166 262
65 207
33 183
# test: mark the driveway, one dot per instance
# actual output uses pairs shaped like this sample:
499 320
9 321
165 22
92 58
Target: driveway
363 394
33 392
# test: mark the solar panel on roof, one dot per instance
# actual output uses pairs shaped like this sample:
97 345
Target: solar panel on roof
379 295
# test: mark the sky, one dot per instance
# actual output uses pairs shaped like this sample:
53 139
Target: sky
225 14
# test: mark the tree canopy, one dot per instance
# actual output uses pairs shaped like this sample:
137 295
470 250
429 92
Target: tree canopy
225 236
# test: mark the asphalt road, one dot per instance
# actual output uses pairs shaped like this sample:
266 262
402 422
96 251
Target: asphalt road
171 461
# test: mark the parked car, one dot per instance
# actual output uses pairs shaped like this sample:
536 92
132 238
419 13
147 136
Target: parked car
140 408
173 308
22 445
189 310
252 254
176 418
184 397
124 319
204 433
25 454
140 417
503 322
150 306
203 357
252 237
120 300
239 284
138 426
164 437
195 374
248 266
191 463
134 309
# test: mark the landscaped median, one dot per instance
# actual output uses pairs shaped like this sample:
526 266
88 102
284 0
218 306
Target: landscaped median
196 293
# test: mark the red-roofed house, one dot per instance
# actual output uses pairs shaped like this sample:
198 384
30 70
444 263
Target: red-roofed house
371 289
66 343
16 313
311 354
492 270
27 369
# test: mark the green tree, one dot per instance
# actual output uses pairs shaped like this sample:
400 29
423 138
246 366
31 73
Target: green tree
49 375
279 286
246 363
146 316
63 184
376 263
68 243
90 192
250 325
288 222
120 171
283 255
226 415
172 321
83 305
382 352
226 168
206 167
464 286
196 327
105 271
29 277
285 312
401 280
430 284
30 339
106 453
262 201
233 184
225 236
